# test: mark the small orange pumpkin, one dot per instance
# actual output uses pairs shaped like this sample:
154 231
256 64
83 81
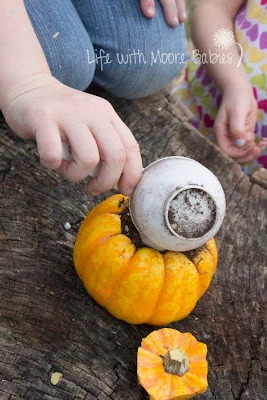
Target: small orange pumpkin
135 283
172 365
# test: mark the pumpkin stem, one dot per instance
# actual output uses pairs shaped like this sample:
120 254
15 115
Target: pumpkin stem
175 362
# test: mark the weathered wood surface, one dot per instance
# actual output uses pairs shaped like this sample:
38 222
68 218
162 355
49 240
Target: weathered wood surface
49 323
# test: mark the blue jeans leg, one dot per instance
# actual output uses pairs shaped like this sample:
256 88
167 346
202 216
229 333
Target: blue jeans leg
64 40
142 55
153 52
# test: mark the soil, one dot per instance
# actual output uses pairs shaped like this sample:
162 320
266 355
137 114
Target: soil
128 228
122 202
192 254
192 213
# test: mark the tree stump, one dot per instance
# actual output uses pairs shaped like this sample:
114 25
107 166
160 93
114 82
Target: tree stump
50 324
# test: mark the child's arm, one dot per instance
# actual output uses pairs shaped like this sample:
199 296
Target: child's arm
236 119
209 17
21 55
38 106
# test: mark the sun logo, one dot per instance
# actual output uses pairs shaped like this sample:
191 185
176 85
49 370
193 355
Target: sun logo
224 38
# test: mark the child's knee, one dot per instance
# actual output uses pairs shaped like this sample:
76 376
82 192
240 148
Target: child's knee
154 57
64 40
71 64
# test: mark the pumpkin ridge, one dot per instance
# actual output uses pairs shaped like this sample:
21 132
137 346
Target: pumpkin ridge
196 265
160 291
124 273
120 203
195 300
186 384
192 254
120 277
186 379
167 387
105 238
83 232
206 248
96 247
183 379
121 261
182 289
212 247
169 384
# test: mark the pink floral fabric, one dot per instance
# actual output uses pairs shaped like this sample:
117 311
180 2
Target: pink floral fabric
196 90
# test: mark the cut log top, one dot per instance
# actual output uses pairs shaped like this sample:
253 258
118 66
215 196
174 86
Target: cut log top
50 324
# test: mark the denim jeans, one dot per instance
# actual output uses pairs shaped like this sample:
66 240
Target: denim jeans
108 42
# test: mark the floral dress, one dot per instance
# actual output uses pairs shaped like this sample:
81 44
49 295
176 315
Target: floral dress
200 94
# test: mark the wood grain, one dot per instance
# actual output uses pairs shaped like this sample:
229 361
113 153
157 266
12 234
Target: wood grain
50 324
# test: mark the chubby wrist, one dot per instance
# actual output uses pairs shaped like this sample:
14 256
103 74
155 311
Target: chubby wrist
16 89
237 87
234 81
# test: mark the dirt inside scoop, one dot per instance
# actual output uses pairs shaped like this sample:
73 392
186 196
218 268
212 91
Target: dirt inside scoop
192 213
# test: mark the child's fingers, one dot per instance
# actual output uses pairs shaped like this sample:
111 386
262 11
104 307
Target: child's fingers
174 10
49 145
113 156
223 140
241 128
84 152
170 12
182 14
263 144
231 144
148 8
251 155
241 142
132 170
254 150
247 146
229 147
237 124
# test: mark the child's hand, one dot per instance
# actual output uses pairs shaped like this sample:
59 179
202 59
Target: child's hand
48 111
235 124
174 10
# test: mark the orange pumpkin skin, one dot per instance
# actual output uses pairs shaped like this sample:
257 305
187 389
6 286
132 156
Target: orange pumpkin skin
138 285
151 367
